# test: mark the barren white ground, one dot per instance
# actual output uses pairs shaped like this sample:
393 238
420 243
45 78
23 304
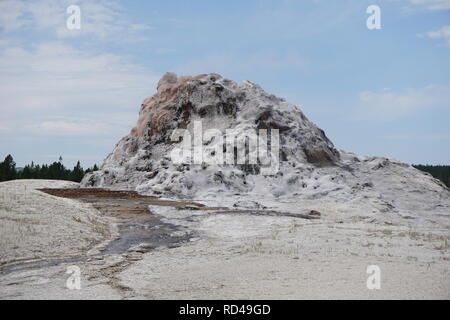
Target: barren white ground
233 256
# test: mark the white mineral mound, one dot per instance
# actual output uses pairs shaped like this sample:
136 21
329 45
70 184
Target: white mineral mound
310 166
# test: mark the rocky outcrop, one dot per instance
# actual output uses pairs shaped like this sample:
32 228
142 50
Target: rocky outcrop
309 165
219 104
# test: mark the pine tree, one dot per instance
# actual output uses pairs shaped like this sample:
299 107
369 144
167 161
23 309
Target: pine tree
8 169
77 173
26 173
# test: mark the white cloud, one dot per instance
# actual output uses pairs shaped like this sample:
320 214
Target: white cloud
419 137
75 157
52 90
12 15
389 104
97 126
230 62
433 4
56 80
79 127
102 19
415 6
441 33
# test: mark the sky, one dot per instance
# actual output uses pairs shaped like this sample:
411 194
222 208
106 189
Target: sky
76 92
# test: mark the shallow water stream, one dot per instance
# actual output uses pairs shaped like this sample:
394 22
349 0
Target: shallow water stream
137 225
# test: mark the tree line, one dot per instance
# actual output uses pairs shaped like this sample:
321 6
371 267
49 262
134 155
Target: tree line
54 171
439 172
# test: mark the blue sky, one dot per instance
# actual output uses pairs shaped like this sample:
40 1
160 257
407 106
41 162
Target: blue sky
75 93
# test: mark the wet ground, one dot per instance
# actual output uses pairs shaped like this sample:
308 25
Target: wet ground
139 228
138 225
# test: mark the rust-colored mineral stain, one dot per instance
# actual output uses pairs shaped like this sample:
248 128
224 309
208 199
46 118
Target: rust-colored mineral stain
156 109
119 201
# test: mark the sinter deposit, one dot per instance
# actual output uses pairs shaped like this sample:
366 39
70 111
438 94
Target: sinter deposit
310 167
